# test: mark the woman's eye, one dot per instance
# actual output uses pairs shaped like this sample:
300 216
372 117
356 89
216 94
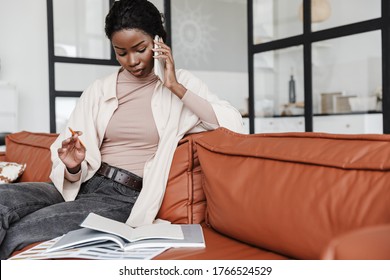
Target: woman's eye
141 50
121 54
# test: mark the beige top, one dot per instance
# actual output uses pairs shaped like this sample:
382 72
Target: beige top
131 137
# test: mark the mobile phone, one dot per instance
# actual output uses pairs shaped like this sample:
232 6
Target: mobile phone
159 64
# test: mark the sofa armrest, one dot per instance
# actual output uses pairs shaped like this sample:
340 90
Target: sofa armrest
33 149
369 243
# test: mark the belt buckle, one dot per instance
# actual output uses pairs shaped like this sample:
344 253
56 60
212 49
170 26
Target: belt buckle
111 172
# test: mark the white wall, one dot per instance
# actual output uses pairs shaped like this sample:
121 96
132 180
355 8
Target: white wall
229 86
24 59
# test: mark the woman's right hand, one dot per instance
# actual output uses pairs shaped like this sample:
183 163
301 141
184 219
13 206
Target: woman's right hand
72 152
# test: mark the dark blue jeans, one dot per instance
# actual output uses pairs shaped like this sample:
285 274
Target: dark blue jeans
32 212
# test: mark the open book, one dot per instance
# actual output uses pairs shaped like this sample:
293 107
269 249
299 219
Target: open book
102 251
98 229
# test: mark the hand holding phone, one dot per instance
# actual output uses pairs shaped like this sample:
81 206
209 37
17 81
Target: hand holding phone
159 64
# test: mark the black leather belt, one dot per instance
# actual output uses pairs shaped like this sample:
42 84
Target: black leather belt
120 176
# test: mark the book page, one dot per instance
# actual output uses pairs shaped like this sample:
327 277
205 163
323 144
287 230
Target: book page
163 230
158 231
97 222
85 237
193 237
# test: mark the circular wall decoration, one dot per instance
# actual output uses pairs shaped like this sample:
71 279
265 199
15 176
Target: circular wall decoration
192 32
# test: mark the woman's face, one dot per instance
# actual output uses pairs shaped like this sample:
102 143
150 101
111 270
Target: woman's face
133 49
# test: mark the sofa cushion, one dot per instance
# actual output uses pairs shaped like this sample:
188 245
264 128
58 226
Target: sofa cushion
184 201
32 149
293 192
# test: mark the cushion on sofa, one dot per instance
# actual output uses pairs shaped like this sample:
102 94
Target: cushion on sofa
293 192
10 171
184 201
32 149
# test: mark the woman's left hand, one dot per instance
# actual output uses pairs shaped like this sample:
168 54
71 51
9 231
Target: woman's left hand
170 80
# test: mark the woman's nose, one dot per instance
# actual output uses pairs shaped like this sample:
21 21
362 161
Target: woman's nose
132 60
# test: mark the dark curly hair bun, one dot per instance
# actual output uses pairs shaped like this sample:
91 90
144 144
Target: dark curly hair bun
135 14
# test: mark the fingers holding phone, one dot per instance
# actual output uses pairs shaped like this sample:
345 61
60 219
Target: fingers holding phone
164 67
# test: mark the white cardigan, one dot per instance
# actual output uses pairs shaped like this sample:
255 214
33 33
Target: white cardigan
173 120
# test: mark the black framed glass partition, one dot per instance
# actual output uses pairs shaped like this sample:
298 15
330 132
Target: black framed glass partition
318 65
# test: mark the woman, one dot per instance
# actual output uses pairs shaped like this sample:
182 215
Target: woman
128 124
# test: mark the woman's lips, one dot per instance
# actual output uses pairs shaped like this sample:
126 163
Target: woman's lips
137 72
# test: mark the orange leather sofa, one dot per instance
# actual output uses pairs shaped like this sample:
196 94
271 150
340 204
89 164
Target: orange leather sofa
265 196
